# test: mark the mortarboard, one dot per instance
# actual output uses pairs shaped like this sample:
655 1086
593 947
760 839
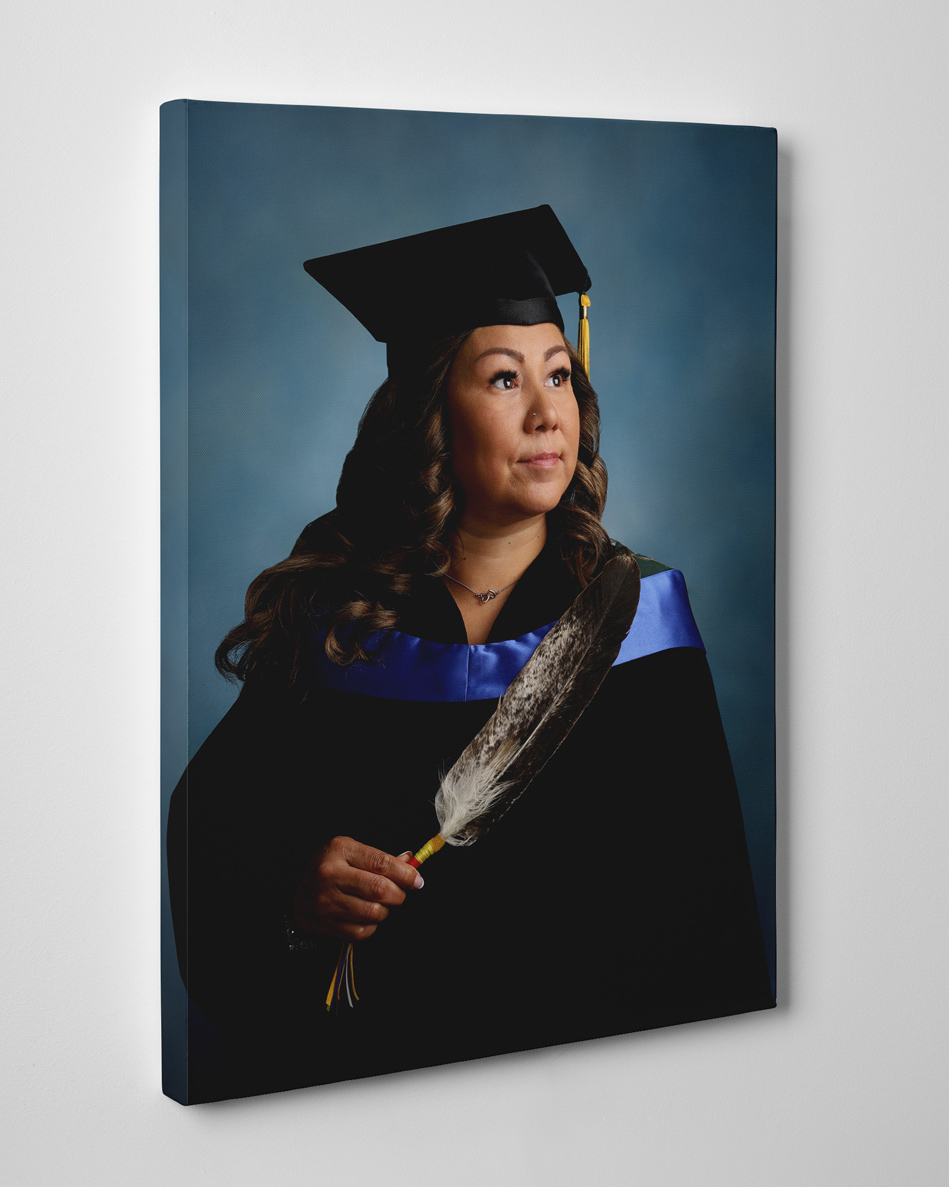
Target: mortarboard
505 270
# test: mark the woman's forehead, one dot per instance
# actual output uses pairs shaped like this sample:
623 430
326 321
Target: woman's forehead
528 341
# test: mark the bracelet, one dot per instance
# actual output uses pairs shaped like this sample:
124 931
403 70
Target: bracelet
295 941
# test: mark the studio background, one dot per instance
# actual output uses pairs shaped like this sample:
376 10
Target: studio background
845 1082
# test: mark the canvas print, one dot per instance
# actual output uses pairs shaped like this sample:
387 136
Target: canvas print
467 587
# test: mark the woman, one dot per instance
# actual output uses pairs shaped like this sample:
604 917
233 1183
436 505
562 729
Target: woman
616 894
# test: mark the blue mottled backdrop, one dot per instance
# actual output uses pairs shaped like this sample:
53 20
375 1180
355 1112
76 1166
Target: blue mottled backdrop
676 224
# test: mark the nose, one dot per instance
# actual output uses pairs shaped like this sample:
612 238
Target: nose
542 413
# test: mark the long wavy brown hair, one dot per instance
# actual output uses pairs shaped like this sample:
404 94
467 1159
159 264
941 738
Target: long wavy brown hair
397 505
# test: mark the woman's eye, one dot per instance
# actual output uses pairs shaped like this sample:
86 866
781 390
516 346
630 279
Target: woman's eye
504 380
559 378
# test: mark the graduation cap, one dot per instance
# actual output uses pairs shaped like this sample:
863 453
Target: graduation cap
505 270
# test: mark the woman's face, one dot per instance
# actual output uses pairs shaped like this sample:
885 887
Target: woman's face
514 421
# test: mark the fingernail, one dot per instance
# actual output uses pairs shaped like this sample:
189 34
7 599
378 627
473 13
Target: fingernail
403 856
419 882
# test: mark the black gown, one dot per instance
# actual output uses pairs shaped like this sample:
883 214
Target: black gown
614 896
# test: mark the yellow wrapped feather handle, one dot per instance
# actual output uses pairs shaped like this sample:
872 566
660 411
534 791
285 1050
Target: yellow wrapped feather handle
437 842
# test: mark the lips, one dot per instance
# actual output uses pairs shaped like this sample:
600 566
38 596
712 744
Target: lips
542 460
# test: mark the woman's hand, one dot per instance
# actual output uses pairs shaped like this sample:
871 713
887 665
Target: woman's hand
349 888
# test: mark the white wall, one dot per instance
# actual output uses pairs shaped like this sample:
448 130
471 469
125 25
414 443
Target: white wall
845 1083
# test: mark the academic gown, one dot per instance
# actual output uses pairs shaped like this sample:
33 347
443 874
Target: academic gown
614 896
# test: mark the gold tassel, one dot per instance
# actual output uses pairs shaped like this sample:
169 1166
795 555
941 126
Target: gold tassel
583 334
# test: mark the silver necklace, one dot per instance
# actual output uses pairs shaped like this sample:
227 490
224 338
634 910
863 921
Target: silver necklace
488 594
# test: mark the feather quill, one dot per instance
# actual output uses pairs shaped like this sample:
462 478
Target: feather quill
540 707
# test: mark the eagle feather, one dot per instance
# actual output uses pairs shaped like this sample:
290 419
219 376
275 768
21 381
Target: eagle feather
541 706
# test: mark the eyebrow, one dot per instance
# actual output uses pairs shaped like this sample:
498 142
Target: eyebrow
516 354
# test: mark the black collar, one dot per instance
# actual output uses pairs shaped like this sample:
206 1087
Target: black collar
541 596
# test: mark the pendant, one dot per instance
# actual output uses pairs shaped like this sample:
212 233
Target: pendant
487 596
